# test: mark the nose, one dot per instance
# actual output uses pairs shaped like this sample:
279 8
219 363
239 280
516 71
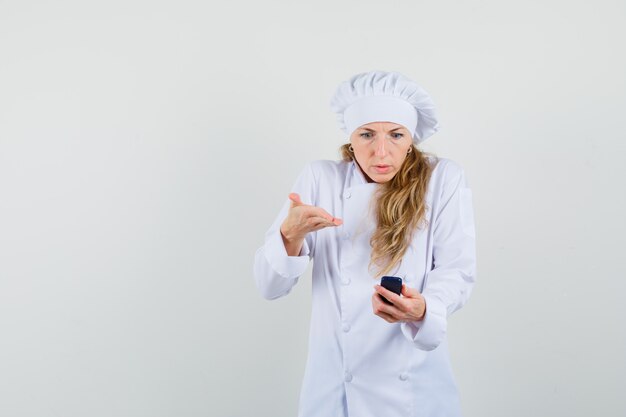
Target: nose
380 148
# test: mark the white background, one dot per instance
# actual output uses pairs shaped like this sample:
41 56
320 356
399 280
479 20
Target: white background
146 147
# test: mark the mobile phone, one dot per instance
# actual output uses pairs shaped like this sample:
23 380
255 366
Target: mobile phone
393 284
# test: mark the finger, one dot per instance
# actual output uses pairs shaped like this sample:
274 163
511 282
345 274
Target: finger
377 302
320 226
389 295
387 317
381 307
295 200
409 291
377 306
320 212
318 219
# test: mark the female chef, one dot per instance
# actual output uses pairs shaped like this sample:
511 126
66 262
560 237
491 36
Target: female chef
386 208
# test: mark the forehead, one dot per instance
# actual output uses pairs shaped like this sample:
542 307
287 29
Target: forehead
381 125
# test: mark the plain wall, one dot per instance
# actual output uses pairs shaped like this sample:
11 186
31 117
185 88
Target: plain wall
146 147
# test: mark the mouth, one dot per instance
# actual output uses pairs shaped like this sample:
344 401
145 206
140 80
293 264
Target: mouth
382 168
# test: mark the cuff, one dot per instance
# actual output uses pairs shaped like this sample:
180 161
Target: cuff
285 265
426 334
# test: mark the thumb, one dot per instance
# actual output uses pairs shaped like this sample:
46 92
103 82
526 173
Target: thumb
295 200
408 291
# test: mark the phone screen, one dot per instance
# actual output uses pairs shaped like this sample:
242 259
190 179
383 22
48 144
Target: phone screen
393 284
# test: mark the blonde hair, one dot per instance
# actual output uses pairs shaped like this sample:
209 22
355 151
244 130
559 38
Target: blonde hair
400 208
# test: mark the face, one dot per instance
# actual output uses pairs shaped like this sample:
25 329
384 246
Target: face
380 149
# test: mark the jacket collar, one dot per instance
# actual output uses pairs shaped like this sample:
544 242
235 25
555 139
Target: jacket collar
357 177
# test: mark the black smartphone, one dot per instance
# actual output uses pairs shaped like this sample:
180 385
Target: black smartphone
393 284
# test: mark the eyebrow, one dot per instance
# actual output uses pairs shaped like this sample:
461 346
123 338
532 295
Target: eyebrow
372 130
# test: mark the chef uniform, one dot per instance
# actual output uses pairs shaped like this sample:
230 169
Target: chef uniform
360 365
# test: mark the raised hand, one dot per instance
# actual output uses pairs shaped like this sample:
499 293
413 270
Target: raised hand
302 219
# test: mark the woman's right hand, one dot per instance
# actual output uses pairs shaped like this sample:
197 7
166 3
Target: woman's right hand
302 219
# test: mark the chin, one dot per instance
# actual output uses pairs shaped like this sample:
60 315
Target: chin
387 175
382 178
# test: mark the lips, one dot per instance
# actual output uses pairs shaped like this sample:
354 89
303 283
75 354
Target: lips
381 169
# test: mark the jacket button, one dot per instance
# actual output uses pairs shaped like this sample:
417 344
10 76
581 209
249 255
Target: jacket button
403 377
348 377
346 327
346 236
348 195
345 281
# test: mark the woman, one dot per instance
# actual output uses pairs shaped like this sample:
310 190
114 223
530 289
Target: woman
386 208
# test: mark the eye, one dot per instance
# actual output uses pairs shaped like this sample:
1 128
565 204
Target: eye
398 137
363 135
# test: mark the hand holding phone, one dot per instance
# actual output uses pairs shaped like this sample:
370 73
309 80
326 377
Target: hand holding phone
393 284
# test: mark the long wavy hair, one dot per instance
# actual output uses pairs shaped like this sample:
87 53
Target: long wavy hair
400 208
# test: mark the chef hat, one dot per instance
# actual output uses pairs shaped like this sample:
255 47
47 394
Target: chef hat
382 96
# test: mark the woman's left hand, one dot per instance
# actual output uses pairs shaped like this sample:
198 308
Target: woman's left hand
410 307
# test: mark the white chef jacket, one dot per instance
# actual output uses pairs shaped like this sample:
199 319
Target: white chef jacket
358 364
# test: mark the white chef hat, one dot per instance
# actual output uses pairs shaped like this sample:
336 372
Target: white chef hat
382 96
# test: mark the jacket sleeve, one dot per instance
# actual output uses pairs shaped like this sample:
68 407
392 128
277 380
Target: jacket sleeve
448 285
275 272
